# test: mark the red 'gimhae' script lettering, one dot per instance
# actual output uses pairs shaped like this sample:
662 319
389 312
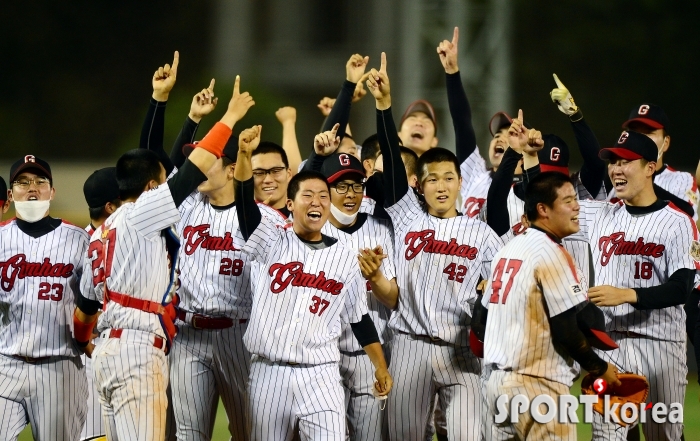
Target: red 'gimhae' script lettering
284 274
617 245
425 241
17 266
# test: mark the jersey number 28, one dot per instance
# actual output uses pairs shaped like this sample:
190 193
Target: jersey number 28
510 267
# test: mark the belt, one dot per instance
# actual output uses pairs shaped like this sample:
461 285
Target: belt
31 360
199 321
158 341
422 337
631 334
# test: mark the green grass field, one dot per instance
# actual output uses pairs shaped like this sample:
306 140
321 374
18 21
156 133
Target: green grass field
691 420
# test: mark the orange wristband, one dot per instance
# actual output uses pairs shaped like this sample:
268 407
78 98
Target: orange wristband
82 332
216 139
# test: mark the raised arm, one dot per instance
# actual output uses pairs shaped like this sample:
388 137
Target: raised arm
248 212
287 116
154 124
593 170
395 180
460 111
203 103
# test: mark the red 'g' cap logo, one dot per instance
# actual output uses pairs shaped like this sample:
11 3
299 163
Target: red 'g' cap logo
344 159
623 138
643 109
29 158
554 154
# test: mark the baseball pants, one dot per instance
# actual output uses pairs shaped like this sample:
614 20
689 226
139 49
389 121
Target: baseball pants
664 365
421 368
512 384
284 398
366 419
94 426
51 395
206 364
131 376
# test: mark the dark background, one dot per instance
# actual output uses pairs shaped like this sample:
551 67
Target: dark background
76 76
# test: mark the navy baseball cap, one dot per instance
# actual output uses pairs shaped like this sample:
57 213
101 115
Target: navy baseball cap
500 120
30 162
650 115
420 106
554 156
339 165
3 190
631 146
591 322
101 187
230 149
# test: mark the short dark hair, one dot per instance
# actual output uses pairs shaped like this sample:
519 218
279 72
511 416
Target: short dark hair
135 169
97 213
304 175
410 159
271 147
226 161
435 154
370 148
542 189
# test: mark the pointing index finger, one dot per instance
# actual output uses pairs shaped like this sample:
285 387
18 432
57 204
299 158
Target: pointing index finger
455 36
237 85
211 84
176 61
382 66
520 115
560 85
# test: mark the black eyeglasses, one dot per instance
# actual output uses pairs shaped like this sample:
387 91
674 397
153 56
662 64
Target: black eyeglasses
343 188
274 172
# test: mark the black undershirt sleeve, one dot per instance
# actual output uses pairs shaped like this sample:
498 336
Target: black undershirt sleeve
89 307
340 113
186 136
567 334
247 210
365 332
497 200
152 133
461 113
394 170
479 318
185 181
593 170
674 292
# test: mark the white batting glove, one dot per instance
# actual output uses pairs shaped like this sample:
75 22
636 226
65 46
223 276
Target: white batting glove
563 99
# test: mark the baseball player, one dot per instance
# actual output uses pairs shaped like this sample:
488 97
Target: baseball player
102 196
437 251
644 269
308 286
133 261
533 295
360 231
4 200
42 380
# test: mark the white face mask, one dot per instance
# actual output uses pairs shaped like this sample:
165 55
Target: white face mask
344 219
31 211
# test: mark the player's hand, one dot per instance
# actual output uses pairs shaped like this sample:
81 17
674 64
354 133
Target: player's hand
610 376
360 91
248 140
378 85
203 103
240 102
286 115
370 261
164 79
355 67
522 139
327 142
384 381
326 105
562 97
606 295
448 51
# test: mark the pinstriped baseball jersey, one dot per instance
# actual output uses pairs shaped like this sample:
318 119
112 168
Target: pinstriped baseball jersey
438 265
676 182
302 296
476 180
215 274
367 205
129 254
372 233
639 251
274 214
38 281
532 278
